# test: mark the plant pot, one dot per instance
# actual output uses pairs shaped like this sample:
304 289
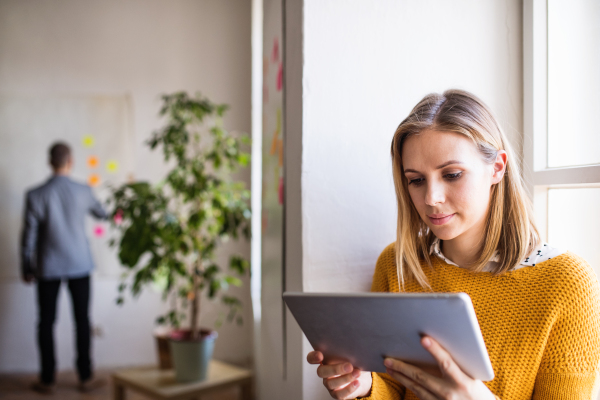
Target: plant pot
191 358
161 336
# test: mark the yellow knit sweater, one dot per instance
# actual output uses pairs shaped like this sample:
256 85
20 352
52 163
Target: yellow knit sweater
540 324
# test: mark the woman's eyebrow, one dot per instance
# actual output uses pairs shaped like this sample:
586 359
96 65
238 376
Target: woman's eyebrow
449 163
438 167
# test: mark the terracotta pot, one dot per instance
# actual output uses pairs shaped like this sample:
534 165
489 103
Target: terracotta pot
161 336
191 358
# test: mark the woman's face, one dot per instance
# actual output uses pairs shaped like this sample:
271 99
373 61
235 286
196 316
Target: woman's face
449 183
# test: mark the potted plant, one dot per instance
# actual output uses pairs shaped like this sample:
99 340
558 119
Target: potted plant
168 233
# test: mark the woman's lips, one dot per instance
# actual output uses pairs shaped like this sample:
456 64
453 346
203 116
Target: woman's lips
440 219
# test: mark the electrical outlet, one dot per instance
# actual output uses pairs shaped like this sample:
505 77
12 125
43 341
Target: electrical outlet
97 331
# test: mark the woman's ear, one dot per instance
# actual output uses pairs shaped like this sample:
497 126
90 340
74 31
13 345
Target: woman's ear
499 166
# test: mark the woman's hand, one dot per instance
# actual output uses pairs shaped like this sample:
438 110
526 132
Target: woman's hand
343 381
452 383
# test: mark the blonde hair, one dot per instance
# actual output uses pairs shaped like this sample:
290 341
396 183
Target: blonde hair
509 229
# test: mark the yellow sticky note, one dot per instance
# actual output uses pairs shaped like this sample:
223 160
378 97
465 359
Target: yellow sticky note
88 141
112 166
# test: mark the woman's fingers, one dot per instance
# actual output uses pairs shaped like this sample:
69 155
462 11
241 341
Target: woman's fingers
418 390
400 370
445 361
314 357
329 371
341 381
346 391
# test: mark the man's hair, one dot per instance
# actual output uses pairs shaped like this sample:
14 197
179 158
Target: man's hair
60 154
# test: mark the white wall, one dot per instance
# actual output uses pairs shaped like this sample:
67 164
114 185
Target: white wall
141 48
365 65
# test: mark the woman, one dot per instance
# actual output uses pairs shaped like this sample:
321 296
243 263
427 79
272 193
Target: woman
465 225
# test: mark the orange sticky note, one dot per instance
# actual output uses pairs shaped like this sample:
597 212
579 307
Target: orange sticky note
94 180
92 161
274 142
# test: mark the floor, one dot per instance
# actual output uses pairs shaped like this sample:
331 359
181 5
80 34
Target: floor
16 387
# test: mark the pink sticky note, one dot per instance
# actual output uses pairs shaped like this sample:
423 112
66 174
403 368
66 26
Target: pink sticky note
275 52
280 77
99 231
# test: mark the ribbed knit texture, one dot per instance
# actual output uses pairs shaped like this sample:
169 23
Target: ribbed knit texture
540 324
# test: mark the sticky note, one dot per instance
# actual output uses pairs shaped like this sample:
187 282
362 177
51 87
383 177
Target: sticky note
112 166
88 141
280 77
98 231
92 161
94 180
274 145
275 51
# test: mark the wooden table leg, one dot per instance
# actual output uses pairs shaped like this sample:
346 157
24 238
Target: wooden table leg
118 391
247 390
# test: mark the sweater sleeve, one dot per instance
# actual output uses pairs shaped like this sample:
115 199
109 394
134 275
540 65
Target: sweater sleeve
384 387
570 364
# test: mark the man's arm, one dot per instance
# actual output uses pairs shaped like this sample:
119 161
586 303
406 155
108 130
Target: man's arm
96 208
29 239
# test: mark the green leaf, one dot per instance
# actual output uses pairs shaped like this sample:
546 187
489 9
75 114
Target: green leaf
233 281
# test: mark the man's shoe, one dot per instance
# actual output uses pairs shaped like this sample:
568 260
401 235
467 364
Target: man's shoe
91 384
42 388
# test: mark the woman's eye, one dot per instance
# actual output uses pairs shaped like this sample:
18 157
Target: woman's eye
416 181
453 176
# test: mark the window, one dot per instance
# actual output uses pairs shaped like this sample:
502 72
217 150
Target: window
561 145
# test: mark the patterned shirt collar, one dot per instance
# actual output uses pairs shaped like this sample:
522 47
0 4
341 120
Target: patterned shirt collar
542 252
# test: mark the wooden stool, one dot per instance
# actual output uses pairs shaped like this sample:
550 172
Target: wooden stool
161 384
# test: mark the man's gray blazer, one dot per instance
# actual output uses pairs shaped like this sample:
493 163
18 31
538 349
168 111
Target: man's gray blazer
54 243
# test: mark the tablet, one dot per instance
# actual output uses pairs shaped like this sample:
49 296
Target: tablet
364 328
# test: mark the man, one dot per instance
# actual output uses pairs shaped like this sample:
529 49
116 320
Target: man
54 248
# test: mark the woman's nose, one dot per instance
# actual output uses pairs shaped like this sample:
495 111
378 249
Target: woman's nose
434 195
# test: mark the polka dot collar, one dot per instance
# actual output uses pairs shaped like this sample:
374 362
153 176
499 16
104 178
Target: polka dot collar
542 252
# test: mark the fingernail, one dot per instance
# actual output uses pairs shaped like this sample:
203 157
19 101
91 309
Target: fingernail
355 384
387 362
347 368
355 373
426 342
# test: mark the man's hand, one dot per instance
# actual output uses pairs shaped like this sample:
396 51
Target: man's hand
28 278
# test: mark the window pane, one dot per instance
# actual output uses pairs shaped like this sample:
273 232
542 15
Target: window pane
573 82
574 222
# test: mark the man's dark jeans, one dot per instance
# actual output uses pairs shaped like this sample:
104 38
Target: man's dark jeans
79 289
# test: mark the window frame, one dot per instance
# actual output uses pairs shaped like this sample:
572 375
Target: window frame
538 177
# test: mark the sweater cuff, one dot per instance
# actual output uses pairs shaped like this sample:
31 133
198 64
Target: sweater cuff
381 390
